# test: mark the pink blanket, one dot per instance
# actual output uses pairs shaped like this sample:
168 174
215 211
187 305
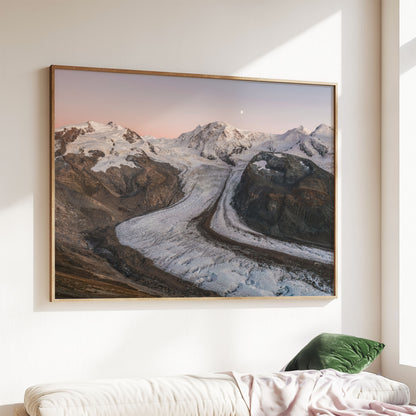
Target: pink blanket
311 392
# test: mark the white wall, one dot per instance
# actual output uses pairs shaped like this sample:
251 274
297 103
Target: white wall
398 193
323 40
407 105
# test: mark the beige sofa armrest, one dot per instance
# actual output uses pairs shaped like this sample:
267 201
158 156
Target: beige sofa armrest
20 411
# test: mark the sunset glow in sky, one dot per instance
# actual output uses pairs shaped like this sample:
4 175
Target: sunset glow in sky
166 106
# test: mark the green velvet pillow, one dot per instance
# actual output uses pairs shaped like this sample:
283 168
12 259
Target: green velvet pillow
344 353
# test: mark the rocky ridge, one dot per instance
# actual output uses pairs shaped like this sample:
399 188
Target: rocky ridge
289 198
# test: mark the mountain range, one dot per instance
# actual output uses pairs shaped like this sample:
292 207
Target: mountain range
125 204
214 141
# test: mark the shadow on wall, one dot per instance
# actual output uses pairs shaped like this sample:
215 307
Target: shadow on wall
260 28
408 56
233 50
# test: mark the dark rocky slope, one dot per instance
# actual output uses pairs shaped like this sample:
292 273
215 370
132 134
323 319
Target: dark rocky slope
289 198
89 260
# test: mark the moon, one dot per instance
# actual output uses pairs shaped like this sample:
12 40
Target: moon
241 111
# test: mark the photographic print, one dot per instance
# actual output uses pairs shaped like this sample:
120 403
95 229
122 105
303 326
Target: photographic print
167 185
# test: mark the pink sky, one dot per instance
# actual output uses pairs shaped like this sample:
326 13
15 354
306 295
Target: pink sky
165 106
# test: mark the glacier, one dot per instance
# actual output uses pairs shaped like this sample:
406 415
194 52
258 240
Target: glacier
171 238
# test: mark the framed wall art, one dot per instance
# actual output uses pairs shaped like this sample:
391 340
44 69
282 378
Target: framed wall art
169 185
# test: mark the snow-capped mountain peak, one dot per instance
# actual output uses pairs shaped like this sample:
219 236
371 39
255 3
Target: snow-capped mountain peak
93 127
112 142
219 140
323 131
301 130
210 131
317 146
296 131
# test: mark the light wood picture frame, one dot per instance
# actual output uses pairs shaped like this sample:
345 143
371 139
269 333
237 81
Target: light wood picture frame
188 186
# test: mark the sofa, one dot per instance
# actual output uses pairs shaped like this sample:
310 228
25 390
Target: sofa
223 394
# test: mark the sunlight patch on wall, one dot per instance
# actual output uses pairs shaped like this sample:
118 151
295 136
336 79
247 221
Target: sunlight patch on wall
320 59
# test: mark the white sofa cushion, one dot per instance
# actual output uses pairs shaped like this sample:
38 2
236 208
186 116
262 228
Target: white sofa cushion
369 386
213 395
